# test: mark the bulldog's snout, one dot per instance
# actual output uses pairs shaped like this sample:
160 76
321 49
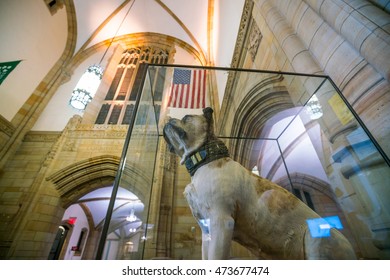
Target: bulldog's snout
174 125
172 132
166 129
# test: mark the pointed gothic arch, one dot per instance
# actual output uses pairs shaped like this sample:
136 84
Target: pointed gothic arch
262 102
84 176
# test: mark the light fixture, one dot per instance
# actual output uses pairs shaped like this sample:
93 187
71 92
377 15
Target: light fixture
132 217
86 87
313 108
89 82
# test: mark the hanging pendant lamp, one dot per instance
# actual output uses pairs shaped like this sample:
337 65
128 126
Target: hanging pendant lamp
89 82
86 87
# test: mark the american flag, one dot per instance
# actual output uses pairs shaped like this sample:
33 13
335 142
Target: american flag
188 89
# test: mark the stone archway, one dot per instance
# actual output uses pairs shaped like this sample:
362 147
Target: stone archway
265 100
86 176
82 177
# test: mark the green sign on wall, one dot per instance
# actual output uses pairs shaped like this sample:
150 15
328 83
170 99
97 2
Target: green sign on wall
6 68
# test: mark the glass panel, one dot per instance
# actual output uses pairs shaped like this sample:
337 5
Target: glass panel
330 156
357 172
129 226
292 129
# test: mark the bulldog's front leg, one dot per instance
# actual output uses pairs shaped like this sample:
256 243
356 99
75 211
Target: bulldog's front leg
221 234
204 225
205 245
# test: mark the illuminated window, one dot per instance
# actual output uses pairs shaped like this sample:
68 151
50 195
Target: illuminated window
103 114
81 242
120 98
304 196
128 114
115 114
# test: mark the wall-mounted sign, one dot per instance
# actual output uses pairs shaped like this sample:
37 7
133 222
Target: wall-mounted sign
6 68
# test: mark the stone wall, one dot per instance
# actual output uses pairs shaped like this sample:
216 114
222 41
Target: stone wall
19 191
31 203
341 39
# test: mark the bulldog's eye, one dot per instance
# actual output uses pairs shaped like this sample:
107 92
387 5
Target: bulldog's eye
186 118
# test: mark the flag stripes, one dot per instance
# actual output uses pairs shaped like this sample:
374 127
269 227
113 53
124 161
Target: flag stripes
188 89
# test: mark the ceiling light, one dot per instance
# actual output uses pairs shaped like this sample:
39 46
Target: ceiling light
89 82
132 217
313 108
86 87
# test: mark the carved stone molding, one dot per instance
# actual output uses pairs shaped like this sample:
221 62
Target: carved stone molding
99 131
242 33
254 40
246 19
6 127
42 136
97 134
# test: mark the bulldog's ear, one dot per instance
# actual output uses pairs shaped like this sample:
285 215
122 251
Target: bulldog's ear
208 113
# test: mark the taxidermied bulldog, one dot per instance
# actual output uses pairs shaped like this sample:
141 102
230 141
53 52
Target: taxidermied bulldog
231 203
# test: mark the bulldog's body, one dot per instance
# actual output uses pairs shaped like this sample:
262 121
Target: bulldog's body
231 203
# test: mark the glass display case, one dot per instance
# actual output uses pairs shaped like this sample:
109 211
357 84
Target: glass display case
293 129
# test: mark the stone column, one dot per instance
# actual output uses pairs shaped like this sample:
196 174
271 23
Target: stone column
363 25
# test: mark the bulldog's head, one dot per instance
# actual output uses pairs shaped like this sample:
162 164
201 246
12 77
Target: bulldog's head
187 135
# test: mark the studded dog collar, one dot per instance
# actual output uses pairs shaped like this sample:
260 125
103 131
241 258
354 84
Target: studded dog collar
212 150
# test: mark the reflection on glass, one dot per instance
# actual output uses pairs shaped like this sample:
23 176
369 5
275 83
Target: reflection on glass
294 130
321 227
313 108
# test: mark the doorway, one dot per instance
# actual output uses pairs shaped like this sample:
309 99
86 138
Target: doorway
58 243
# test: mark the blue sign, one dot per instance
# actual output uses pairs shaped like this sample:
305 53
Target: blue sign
321 227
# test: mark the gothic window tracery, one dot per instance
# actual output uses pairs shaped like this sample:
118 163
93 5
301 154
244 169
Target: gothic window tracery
120 99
